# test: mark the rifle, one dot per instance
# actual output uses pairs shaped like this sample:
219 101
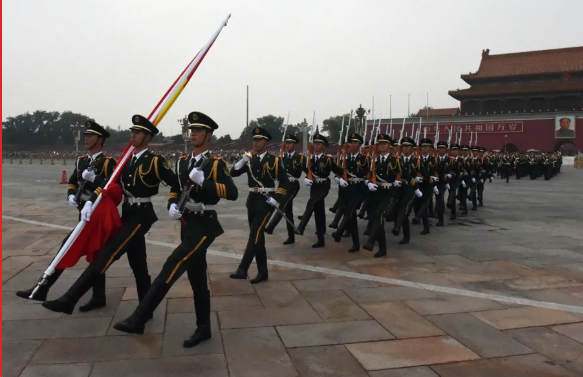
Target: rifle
338 156
185 194
81 189
283 136
311 149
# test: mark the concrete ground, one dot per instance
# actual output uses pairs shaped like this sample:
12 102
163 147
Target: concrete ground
496 293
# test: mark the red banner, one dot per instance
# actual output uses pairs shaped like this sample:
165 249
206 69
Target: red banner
481 127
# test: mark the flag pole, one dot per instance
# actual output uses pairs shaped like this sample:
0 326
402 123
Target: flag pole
155 117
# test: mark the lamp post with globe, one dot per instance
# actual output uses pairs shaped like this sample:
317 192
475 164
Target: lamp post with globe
361 114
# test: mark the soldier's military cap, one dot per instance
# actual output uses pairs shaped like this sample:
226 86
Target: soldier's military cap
384 138
143 124
356 137
426 143
442 144
454 146
200 120
290 137
465 147
260 133
320 139
482 149
95 129
475 149
407 141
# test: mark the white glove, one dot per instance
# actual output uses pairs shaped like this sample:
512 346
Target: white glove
308 182
342 182
436 179
481 181
419 179
337 180
372 186
447 186
464 184
397 183
197 176
448 175
272 202
239 165
87 211
71 199
174 212
435 190
88 175
418 193
473 180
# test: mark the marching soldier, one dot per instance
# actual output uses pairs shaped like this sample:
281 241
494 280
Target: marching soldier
384 182
90 172
455 178
442 172
485 173
466 178
204 180
262 169
356 170
293 164
409 188
476 175
426 183
317 178
139 180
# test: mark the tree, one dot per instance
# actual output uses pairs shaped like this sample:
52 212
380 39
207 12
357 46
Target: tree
177 139
333 125
270 123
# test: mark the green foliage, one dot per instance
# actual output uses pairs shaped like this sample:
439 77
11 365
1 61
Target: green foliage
333 125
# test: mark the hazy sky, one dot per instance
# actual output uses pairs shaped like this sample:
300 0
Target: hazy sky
110 59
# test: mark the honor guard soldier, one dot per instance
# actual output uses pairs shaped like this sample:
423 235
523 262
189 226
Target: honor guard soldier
204 181
466 177
410 168
354 173
293 164
318 169
442 171
90 173
427 182
382 187
456 169
485 173
262 169
139 180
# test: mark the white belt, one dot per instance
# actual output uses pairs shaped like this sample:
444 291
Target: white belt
385 185
194 207
138 201
85 196
355 180
320 180
292 179
261 190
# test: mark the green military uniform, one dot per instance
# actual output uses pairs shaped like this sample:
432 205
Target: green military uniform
293 164
81 190
140 180
200 227
262 172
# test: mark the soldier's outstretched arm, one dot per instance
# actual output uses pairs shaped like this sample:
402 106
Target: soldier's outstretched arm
166 174
220 185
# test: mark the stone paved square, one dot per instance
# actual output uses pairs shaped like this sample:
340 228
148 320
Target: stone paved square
497 292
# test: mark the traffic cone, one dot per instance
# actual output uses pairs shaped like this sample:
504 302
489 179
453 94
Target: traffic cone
64 178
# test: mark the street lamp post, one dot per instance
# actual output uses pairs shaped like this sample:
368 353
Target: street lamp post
361 114
185 136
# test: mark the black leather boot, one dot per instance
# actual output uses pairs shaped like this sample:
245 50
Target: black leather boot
98 299
201 334
239 274
43 290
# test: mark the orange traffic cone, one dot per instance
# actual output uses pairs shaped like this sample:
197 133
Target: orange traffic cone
64 178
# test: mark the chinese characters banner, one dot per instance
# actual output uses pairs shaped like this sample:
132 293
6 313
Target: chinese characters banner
485 127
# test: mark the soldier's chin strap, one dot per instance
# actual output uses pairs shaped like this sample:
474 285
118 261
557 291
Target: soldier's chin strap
91 147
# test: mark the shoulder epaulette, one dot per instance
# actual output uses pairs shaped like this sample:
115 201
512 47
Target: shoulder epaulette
182 158
80 157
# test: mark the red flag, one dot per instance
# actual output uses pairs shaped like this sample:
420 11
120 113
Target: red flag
105 223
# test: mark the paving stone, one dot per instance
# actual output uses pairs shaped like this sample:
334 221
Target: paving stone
16 354
326 361
257 352
381 294
573 331
451 304
335 306
113 297
223 285
280 294
185 366
514 318
554 295
330 284
557 347
219 303
24 312
55 328
126 308
404 372
481 338
59 370
410 352
542 282
401 321
181 326
332 333
177 291
268 317
515 366
85 350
